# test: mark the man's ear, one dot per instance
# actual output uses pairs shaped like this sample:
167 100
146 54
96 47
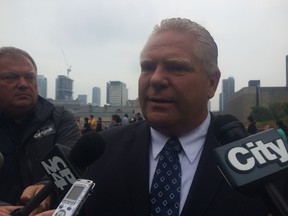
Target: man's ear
214 80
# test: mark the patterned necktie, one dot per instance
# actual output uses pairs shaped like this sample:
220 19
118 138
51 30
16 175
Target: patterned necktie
166 184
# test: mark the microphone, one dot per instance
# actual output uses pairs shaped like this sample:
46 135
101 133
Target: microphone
87 149
1 160
60 169
250 164
227 129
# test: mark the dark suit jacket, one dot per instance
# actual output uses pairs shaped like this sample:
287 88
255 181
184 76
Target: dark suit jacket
122 180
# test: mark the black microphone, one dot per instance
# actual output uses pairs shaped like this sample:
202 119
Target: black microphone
227 129
61 171
88 149
250 164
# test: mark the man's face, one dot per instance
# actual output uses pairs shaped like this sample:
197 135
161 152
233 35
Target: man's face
18 85
173 87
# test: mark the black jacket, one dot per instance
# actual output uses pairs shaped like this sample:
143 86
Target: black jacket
121 175
23 146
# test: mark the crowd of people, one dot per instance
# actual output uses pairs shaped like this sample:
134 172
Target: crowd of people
279 126
90 124
159 166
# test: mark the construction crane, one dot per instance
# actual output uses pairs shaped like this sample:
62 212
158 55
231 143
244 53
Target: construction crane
68 67
68 70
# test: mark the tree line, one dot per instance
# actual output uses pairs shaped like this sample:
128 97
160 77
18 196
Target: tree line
275 111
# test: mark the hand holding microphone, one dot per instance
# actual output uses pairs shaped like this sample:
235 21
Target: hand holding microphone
61 170
30 192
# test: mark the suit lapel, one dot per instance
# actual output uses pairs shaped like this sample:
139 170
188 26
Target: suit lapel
206 182
137 163
205 185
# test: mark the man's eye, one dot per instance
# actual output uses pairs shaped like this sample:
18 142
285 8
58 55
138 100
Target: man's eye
178 68
30 78
147 68
10 78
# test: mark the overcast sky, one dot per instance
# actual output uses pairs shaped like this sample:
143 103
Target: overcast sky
101 40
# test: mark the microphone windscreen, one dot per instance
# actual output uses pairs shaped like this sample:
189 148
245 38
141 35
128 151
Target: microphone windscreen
87 149
228 128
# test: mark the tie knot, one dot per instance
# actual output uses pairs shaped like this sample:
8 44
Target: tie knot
174 145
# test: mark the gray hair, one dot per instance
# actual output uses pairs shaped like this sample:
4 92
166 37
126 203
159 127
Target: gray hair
205 47
13 52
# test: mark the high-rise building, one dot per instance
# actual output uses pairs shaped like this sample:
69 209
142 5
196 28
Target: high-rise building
42 85
96 96
82 99
64 88
228 88
117 93
221 102
242 102
254 83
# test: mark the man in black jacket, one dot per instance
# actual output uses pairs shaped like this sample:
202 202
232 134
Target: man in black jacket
29 127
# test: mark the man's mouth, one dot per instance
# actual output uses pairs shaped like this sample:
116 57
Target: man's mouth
160 100
23 95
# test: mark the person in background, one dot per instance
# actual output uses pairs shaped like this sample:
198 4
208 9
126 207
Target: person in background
99 125
115 120
132 120
266 127
282 130
125 119
92 122
138 117
252 129
87 126
78 121
29 127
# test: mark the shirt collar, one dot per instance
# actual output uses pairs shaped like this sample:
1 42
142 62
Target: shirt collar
192 142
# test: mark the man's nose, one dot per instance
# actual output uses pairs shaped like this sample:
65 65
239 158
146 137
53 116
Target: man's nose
22 82
159 76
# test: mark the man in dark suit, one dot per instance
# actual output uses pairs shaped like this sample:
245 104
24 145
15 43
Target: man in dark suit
179 74
122 180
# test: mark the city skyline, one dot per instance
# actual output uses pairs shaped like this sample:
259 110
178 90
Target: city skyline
102 40
103 92
116 96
